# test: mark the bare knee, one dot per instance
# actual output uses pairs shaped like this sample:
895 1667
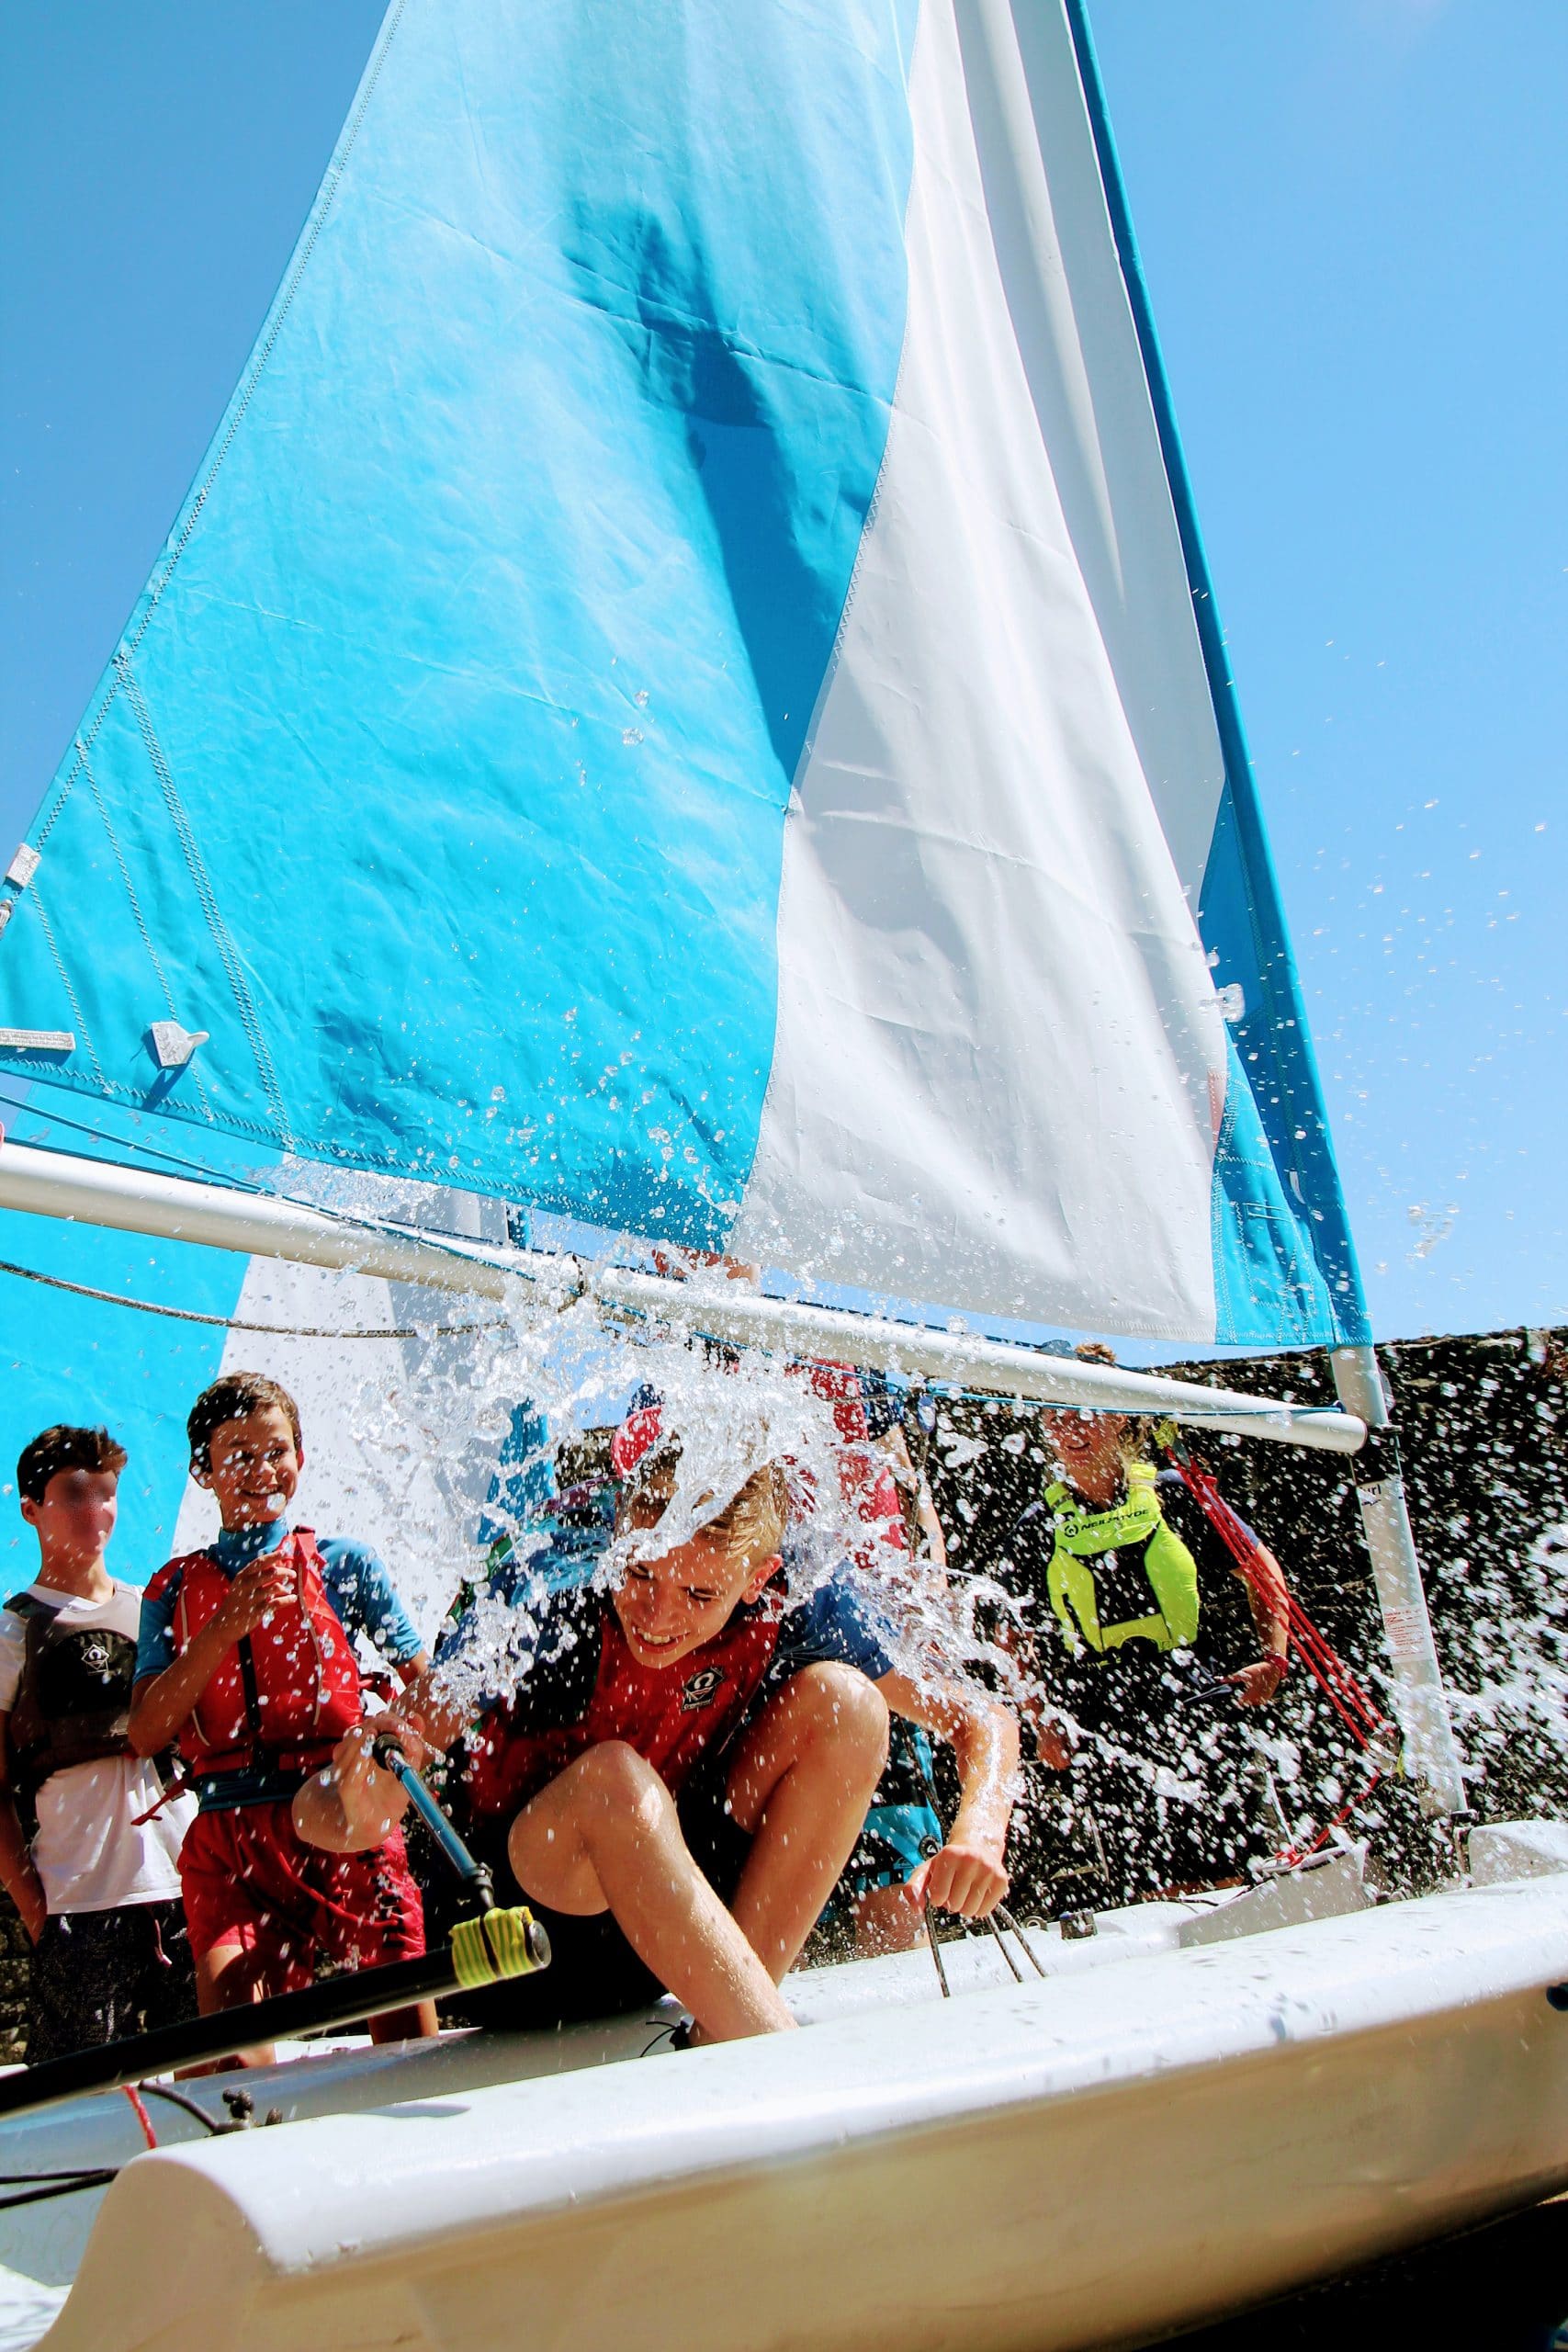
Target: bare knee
613 1784
839 1702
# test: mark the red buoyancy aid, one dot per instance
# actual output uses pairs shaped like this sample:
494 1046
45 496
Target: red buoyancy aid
670 1715
866 1476
283 1696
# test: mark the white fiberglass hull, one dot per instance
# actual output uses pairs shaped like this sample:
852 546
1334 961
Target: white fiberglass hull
1092 2159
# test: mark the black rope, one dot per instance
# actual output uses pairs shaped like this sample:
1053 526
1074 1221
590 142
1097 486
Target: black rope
179 2099
71 2176
233 1323
61 2187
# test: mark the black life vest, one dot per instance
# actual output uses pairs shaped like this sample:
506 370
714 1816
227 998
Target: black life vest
73 1703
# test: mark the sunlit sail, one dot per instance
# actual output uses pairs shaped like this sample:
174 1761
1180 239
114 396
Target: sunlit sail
675 703
674 697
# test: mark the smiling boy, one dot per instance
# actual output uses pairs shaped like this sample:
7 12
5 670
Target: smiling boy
678 1768
246 1656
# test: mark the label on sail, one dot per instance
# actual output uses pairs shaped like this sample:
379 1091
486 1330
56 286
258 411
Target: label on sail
674 694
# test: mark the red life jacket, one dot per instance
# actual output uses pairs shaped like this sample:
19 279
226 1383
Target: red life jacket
670 1714
282 1696
866 1476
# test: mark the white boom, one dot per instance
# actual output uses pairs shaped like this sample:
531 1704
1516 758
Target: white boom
131 1200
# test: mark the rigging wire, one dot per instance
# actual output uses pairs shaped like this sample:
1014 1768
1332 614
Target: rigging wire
389 1229
234 1323
240 1183
438 1331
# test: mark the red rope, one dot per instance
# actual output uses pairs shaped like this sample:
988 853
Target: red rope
140 2104
1292 1857
1360 1713
1357 1710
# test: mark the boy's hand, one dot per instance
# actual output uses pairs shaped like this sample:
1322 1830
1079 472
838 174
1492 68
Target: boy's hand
269 1583
1256 1685
968 1877
373 1799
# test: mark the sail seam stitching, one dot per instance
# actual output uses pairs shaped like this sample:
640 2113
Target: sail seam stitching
62 796
52 945
324 205
153 957
197 867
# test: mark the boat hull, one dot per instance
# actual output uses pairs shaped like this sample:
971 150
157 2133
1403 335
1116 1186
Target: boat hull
1094 2159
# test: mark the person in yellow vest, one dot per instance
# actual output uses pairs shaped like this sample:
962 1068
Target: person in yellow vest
1147 1642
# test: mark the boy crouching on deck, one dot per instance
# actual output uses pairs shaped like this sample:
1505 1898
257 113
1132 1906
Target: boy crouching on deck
246 1656
681 1766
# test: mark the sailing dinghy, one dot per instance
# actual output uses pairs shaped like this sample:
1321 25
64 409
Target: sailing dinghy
1170 2122
685 706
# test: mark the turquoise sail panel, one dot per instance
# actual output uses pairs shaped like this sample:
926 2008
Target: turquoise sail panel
441 774
1284 1262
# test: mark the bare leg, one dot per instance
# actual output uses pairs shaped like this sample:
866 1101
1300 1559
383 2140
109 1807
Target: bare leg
416 2023
228 1978
887 1919
801 1784
604 1836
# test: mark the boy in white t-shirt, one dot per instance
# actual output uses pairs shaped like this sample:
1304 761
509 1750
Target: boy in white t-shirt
98 1886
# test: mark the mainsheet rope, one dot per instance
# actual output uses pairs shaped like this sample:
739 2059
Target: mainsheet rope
1373 1732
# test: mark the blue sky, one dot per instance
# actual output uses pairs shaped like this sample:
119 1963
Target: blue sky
1353 219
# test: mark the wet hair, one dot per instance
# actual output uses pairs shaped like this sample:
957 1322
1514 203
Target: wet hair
64 1447
233 1399
751 1524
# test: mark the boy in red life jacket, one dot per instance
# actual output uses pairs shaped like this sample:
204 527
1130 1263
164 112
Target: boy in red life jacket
246 1657
677 1769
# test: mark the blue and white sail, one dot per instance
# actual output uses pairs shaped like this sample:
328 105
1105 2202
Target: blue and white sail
674 696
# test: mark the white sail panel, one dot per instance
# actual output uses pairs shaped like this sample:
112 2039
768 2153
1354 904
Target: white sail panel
996 1018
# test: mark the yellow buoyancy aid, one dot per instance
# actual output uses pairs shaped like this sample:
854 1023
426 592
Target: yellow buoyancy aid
1135 1525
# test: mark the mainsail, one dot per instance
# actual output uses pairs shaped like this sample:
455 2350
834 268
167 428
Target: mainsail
674 696
684 698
